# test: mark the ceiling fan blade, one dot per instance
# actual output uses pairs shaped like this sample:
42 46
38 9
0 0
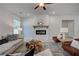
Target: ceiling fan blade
36 7
44 8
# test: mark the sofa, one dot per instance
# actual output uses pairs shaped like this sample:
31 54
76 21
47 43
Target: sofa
71 50
10 46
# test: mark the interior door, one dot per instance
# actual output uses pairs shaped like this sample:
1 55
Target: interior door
70 25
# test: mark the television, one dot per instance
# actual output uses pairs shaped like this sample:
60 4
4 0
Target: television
40 32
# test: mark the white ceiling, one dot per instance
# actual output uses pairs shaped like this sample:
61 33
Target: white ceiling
27 9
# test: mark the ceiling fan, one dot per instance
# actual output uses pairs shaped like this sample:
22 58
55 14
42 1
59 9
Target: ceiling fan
41 5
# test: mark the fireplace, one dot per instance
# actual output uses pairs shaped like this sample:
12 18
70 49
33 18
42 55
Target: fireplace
40 32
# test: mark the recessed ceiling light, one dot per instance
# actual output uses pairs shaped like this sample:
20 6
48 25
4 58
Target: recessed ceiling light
53 12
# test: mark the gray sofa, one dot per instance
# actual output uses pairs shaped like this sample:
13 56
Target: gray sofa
10 46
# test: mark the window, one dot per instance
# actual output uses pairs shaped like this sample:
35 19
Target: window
16 25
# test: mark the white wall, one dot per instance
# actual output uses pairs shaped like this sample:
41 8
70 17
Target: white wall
71 29
76 27
54 22
6 22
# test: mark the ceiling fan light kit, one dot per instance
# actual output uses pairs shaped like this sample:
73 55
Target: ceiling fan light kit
41 5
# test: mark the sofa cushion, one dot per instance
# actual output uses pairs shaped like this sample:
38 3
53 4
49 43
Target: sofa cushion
71 50
75 44
3 41
12 37
7 46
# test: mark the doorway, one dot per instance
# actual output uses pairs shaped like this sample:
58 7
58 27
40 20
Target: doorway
70 25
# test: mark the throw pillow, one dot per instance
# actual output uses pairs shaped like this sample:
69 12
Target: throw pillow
75 44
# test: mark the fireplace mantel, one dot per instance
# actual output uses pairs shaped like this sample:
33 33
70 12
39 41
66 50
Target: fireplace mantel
40 27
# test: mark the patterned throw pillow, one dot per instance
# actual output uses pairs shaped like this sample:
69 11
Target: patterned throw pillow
75 44
11 37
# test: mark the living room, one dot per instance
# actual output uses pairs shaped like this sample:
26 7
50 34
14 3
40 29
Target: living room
39 29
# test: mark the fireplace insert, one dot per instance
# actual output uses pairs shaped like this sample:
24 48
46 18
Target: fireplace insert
40 32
